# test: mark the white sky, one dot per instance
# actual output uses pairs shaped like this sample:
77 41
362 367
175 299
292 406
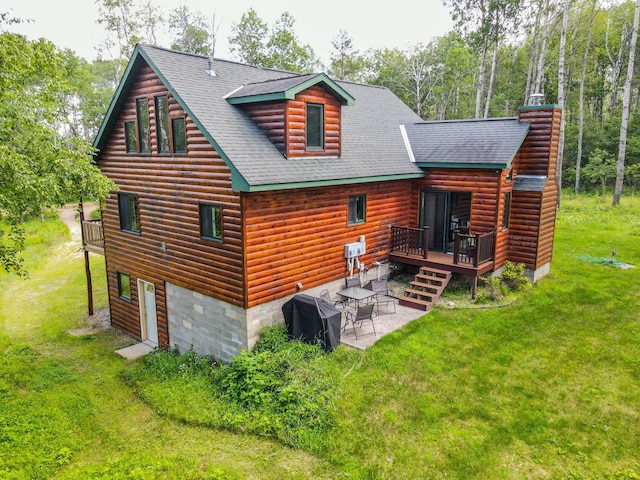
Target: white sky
387 24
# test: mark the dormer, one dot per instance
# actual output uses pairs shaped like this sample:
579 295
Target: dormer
301 115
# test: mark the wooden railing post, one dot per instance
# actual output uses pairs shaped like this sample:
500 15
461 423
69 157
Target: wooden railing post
456 246
425 242
476 257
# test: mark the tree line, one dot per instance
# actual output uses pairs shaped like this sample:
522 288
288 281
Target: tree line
579 54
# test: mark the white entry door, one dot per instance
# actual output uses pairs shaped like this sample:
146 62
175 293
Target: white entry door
148 316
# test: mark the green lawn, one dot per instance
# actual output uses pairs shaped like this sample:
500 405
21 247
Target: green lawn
548 387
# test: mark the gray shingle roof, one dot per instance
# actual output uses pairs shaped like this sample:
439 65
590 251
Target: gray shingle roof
486 143
372 142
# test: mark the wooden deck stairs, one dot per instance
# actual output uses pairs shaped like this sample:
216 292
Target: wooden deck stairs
425 289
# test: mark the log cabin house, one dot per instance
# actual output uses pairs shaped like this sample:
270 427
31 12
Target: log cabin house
240 186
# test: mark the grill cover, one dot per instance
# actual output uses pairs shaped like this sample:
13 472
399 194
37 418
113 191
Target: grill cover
313 320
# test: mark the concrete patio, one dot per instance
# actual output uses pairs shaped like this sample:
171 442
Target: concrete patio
386 322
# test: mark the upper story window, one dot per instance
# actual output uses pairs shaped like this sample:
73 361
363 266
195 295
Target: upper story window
129 216
315 126
357 209
162 124
179 132
142 109
211 221
130 137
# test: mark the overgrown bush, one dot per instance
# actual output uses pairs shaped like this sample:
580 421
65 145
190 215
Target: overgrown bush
494 288
514 278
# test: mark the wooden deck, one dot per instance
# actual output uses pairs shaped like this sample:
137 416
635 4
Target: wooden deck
441 261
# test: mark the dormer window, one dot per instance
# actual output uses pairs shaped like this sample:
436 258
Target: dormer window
315 126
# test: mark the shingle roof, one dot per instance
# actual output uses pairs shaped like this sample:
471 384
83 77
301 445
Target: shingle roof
486 143
372 142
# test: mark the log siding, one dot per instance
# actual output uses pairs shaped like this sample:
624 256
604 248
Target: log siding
169 188
298 236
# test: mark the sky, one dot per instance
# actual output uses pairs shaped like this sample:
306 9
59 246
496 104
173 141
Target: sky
387 24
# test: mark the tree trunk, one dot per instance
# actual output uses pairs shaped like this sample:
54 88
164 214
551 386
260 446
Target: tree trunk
582 81
561 96
480 90
492 77
626 104
538 84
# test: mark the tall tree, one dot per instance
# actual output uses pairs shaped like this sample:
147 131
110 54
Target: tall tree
562 101
190 31
346 64
39 167
248 39
285 52
150 20
626 107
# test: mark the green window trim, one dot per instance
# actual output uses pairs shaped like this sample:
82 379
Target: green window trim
162 124
179 133
129 213
124 286
131 137
315 126
144 140
357 209
211 221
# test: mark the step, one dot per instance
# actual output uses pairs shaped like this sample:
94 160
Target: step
416 303
426 287
431 279
421 294
434 272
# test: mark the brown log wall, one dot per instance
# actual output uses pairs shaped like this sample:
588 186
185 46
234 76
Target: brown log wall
533 214
169 188
271 118
299 235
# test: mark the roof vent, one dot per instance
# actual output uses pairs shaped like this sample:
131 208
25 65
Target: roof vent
536 99
210 71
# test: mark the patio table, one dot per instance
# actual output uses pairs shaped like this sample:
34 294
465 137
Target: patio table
357 294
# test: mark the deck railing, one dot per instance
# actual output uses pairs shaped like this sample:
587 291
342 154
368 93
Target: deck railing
410 241
473 249
93 234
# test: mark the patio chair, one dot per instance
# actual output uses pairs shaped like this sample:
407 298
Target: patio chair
325 295
383 294
353 281
364 312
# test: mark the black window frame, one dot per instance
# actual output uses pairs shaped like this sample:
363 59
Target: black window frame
507 210
163 134
129 217
315 130
144 127
131 137
209 225
121 290
182 131
353 202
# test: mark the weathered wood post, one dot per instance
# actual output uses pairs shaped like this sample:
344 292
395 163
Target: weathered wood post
425 242
456 246
87 268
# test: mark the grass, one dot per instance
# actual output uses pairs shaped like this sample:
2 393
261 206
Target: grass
548 387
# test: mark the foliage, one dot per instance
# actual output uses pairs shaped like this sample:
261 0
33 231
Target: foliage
495 288
492 290
39 168
190 31
514 278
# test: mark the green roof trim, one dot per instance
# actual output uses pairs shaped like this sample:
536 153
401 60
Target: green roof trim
340 93
484 166
333 182
540 107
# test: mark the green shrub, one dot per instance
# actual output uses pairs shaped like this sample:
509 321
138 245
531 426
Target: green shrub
514 278
492 290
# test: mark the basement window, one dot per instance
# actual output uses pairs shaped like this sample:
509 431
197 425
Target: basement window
124 286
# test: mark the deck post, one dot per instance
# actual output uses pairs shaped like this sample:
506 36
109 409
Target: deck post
476 256
425 242
456 246
87 268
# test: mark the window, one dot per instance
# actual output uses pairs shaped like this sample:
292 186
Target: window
142 109
507 209
130 136
357 209
162 124
129 218
211 221
315 126
124 286
179 135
